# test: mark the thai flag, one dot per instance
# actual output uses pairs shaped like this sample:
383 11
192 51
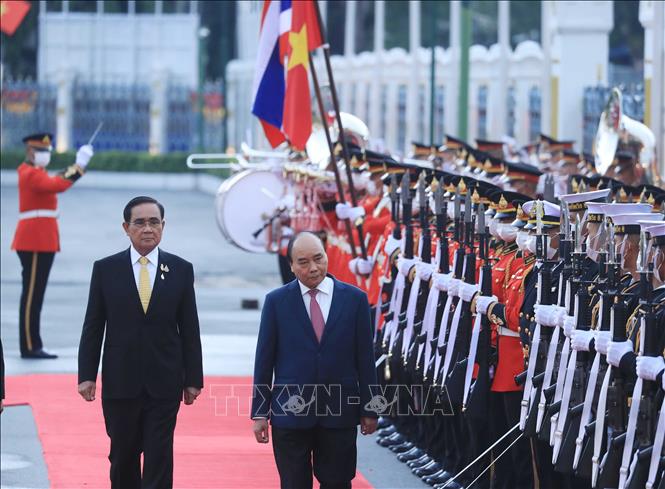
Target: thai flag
269 78
284 27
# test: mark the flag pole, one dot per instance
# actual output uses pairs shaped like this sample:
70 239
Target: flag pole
326 129
342 139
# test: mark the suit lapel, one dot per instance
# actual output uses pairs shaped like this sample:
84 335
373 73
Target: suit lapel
335 308
128 268
159 283
301 313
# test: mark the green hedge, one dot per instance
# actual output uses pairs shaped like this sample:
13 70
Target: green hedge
114 161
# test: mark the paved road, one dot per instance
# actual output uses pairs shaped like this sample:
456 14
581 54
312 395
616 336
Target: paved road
90 227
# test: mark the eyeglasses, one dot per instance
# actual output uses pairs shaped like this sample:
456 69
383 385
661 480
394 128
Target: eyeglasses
153 223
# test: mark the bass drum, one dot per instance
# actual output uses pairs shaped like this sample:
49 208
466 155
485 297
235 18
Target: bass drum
243 205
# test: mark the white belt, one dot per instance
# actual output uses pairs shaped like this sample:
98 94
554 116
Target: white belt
38 213
503 331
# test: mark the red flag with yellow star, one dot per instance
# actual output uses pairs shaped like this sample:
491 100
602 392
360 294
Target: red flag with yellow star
12 14
305 36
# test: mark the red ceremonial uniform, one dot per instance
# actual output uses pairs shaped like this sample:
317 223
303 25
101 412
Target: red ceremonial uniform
506 314
37 190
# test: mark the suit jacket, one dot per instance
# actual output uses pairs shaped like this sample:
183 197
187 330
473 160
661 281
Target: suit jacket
158 352
327 383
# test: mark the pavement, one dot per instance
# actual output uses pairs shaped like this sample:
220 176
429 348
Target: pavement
90 228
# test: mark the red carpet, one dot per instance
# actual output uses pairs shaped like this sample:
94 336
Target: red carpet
214 444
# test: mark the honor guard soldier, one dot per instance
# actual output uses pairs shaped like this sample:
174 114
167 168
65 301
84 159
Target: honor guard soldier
37 239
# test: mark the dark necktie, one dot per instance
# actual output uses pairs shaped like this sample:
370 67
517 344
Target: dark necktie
316 315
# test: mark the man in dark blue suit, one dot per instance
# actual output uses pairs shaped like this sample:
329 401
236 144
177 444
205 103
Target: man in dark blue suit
315 337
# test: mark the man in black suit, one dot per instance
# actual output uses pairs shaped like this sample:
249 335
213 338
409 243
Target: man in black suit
315 337
143 299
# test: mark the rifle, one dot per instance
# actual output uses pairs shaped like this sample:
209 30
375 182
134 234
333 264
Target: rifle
462 323
573 390
643 409
541 336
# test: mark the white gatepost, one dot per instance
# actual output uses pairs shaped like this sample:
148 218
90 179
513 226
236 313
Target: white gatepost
64 113
652 17
497 125
452 86
412 91
579 25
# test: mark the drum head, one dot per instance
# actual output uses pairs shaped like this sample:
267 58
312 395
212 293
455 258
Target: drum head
244 204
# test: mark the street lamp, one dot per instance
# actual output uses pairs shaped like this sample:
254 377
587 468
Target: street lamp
203 34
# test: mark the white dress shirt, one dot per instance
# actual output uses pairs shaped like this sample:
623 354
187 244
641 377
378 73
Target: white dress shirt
153 259
324 296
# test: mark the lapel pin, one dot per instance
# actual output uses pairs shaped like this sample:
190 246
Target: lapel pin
164 268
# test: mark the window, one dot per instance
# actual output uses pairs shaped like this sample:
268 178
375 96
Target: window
401 118
482 112
116 6
145 7
82 6
54 6
439 124
435 23
175 6
421 115
384 109
364 29
510 113
335 19
534 113
397 24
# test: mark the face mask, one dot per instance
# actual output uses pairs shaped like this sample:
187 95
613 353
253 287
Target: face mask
550 250
621 254
493 225
521 240
42 158
451 210
506 232
531 244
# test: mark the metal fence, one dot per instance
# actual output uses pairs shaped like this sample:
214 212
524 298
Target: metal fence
27 107
595 99
125 109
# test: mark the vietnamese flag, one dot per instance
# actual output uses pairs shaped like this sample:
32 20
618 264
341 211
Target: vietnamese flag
12 14
305 36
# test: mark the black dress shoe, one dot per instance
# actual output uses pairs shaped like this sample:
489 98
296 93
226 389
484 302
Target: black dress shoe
402 447
412 454
419 462
394 439
387 431
449 485
441 477
429 469
40 354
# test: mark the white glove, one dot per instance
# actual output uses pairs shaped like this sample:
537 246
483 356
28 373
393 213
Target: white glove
603 339
483 303
424 270
288 201
363 266
404 265
345 211
467 291
442 280
580 340
568 325
548 315
617 350
663 381
648 368
453 287
392 245
83 155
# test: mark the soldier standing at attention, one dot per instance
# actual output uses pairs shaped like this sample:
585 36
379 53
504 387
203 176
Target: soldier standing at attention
37 239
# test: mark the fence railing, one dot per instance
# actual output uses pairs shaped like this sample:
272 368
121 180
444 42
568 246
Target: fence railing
133 116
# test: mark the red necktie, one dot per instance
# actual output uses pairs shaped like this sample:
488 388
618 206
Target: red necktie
316 315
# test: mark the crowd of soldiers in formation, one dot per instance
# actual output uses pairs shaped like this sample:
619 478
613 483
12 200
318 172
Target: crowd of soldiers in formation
520 319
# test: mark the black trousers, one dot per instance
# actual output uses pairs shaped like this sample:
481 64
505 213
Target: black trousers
516 470
331 453
36 268
142 425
